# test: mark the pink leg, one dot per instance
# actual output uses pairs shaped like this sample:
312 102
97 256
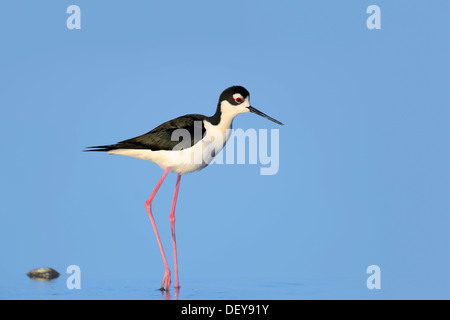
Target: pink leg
148 206
172 226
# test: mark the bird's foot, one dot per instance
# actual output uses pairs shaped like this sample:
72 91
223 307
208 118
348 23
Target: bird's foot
166 281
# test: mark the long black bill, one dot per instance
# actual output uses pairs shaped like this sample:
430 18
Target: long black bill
262 114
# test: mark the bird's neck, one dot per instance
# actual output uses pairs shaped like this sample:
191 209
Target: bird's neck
215 119
222 120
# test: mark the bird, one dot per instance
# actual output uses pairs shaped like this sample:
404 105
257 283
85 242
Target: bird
184 145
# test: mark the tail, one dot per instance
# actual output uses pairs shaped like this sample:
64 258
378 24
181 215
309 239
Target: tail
101 148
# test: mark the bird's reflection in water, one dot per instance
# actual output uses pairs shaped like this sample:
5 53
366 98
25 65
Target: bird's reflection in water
166 294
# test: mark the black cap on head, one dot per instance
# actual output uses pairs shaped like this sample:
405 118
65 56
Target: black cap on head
228 93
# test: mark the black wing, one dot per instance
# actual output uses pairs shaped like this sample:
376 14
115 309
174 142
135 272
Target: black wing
163 137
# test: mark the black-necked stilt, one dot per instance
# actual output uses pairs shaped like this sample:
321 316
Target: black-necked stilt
162 146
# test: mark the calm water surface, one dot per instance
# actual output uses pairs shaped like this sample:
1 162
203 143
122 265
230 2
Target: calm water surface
210 290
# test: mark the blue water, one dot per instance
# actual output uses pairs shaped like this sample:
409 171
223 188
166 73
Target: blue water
210 290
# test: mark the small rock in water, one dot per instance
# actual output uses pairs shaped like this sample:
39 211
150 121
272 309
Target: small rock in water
45 274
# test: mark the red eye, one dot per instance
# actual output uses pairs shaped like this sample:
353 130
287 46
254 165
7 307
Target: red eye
238 100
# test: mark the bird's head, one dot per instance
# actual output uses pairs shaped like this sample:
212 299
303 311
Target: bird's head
235 100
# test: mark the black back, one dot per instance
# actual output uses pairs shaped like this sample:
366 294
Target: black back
160 138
